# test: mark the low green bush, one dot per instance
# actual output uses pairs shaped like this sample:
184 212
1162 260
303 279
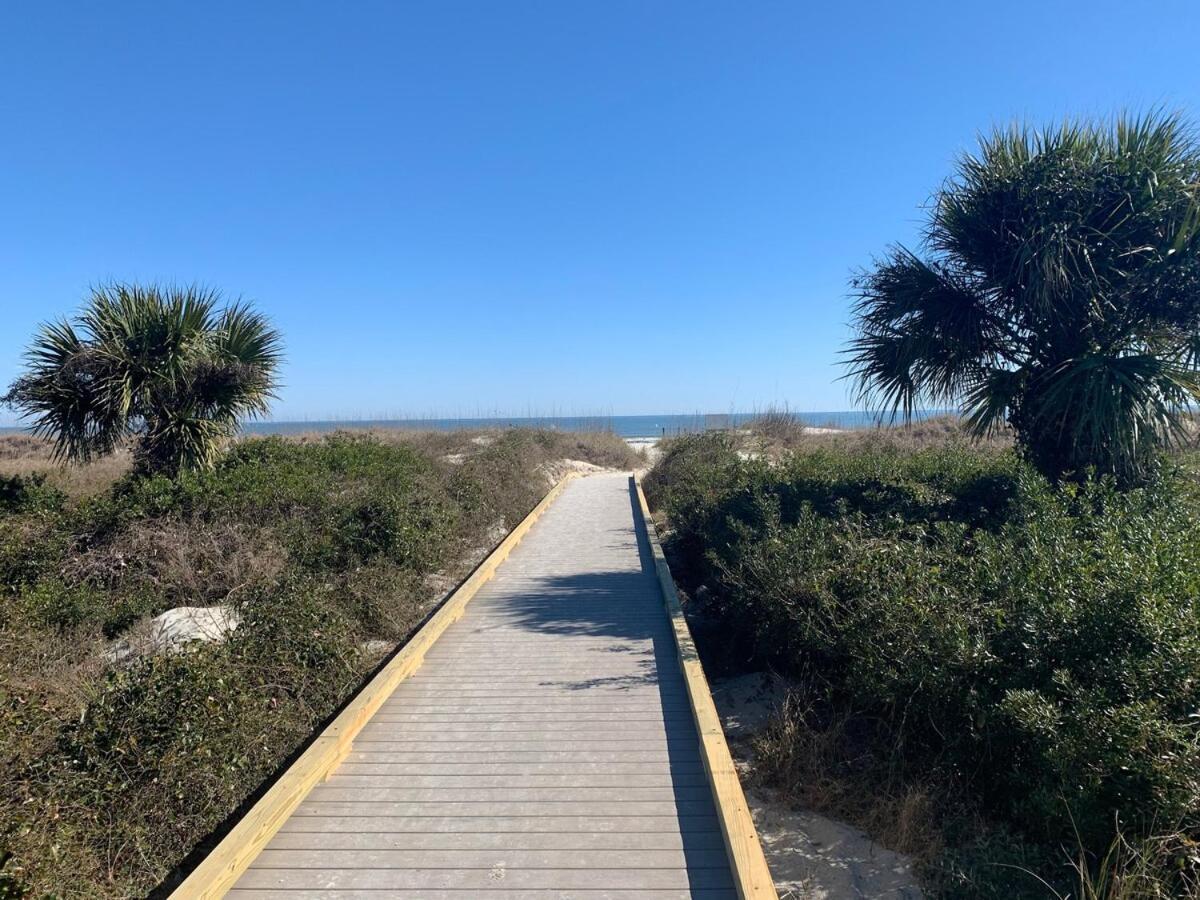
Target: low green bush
52 603
169 745
28 493
1038 646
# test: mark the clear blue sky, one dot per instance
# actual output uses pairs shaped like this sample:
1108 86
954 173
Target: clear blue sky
581 207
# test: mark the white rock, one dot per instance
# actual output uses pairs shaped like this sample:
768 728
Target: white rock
378 647
173 630
176 627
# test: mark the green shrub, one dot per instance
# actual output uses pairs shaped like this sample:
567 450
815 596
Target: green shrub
501 469
1039 645
33 534
409 529
29 493
171 744
55 604
30 546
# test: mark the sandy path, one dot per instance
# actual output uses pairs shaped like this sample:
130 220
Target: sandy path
811 856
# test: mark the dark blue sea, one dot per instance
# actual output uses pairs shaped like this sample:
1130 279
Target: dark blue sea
625 426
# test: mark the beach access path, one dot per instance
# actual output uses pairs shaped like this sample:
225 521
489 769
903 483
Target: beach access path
545 748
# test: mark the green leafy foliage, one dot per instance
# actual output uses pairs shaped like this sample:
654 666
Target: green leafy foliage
1037 645
29 493
1060 292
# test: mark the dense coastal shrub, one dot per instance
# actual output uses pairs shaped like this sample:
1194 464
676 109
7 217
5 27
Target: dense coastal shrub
29 493
1038 646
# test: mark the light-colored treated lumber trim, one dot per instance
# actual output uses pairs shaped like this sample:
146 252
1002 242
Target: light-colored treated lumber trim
750 873
216 874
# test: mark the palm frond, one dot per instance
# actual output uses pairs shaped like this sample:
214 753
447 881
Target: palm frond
64 394
989 402
924 335
1132 401
1061 293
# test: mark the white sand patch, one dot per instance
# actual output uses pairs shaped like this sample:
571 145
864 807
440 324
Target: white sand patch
747 703
817 858
649 446
560 468
810 856
496 532
377 648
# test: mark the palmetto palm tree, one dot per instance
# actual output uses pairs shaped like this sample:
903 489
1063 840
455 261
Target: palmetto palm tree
166 368
1060 291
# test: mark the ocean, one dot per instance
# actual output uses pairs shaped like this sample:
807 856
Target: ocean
624 426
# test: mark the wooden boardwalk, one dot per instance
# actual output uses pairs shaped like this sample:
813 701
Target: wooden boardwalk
544 749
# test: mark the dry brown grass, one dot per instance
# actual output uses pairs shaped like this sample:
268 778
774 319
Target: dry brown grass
57 667
826 767
182 563
775 432
22 454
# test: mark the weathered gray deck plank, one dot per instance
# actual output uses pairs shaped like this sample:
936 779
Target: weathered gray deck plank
525 824
498 808
558 755
500 877
506 841
339 793
470 893
518 780
391 858
524 769
544 749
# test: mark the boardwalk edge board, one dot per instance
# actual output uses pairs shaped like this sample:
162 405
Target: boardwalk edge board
751 876
218 871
